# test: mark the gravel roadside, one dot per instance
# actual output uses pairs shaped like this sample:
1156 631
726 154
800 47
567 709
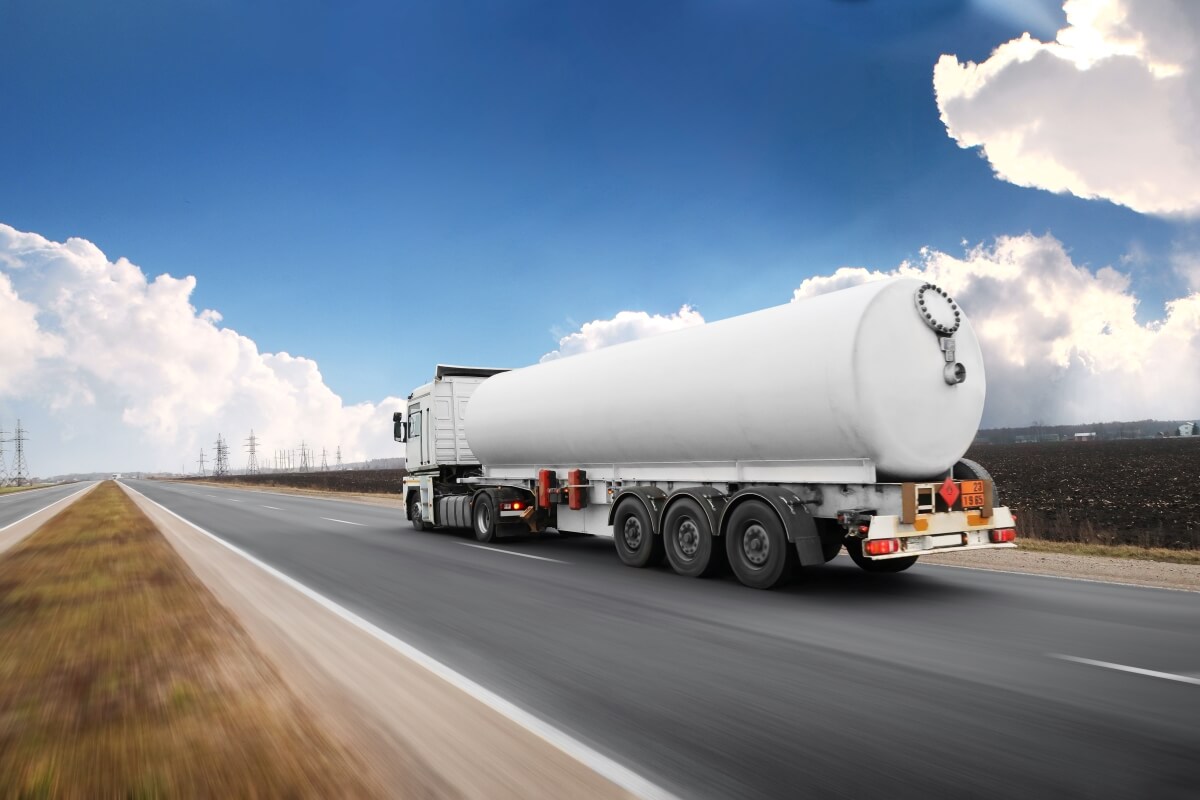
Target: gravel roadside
1096 568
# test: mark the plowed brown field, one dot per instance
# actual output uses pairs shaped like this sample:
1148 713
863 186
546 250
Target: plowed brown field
1142 492
368 481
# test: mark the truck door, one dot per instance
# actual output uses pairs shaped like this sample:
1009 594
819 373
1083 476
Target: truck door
417 452
426 437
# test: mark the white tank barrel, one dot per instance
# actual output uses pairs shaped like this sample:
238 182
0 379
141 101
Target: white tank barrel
890 371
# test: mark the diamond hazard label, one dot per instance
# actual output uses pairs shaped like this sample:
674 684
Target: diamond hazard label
949 492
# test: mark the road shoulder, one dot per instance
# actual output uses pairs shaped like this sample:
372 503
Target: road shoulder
395 713
1064 565
14 532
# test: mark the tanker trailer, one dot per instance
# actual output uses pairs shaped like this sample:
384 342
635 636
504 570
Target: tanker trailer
765 441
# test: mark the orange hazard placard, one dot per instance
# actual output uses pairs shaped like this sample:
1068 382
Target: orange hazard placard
972 494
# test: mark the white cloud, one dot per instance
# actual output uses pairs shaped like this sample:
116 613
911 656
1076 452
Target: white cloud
625 326
111 353
1109 109
1061 343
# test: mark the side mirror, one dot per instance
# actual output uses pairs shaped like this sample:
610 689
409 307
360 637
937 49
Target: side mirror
400 428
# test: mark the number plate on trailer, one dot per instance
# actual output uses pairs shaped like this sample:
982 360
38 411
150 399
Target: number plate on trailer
972 494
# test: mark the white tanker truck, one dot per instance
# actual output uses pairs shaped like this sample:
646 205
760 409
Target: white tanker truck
765 441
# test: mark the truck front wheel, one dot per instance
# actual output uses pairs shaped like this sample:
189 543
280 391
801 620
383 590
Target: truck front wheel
688 540
485 518
854 548
637 546
759 553
414 512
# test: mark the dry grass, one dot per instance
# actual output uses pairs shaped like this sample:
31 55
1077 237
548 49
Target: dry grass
121 676
1112 551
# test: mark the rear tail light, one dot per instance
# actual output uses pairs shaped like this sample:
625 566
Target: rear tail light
881 547
1001 535
864 528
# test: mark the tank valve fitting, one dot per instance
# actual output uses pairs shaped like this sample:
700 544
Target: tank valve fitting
954 372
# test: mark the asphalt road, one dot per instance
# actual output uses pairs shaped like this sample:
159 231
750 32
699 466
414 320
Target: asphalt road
937 682
18 505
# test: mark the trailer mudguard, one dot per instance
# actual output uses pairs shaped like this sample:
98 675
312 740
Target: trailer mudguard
653 498
799 525
711 500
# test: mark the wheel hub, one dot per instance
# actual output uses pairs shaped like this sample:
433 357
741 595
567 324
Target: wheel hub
632 532
756 545
688 539
485 519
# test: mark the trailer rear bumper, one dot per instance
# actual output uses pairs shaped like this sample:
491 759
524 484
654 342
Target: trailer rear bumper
942 532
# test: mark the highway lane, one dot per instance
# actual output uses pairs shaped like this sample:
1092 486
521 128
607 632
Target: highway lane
18 505
938 681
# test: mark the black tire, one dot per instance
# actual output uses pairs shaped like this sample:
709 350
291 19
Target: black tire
688 539
414 513
637 546
968 470
833 536
888 565
483 518
758 549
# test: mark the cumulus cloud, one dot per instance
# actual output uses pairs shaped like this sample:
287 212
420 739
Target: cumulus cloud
112 352
1109 109
1061 343
625 326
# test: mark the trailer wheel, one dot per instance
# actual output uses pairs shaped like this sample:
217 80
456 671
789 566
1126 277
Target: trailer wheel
414 512
854 548
759 553
688 539
637 546
485 517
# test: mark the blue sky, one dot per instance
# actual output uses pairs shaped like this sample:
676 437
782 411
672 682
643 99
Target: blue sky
385 186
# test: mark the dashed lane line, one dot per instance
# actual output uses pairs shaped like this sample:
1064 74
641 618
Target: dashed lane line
512 553
1151 673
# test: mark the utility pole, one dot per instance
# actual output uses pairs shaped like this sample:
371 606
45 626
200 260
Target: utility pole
20 467
339 457
252 461
201 463
324 461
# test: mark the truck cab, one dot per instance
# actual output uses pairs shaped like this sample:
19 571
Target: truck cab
433 430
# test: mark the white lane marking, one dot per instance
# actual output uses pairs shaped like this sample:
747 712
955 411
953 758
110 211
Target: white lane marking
344 521
206 494
273 508
1167 676
48 505
622 776
511 553
1065 578
233 500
